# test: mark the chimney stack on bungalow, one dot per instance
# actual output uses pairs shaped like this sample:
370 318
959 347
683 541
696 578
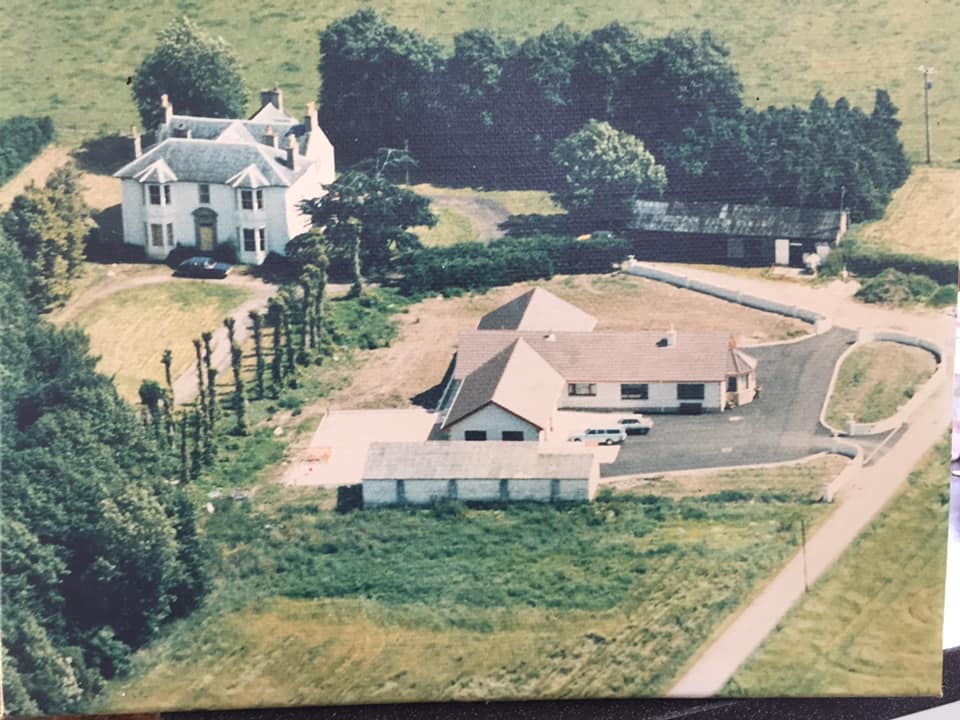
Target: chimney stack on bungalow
293 149
167 108
137 141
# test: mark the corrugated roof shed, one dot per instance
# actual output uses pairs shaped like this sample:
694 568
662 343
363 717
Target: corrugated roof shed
636 356
538 309
517 379
473 460
729 219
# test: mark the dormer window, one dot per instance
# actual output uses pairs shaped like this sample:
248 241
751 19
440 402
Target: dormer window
250 199
159 194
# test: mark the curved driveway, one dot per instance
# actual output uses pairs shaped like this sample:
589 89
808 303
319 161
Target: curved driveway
782 424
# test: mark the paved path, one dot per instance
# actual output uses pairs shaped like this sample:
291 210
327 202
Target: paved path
858 503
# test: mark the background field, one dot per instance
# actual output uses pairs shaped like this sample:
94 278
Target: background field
71 59
403 604
873 623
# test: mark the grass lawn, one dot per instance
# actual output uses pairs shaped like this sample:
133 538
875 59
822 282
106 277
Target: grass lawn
784 52
452 227
872 625
875 380
923 218
403 604
803 478
130 329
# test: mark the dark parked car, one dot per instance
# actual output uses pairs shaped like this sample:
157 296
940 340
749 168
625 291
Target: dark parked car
203 267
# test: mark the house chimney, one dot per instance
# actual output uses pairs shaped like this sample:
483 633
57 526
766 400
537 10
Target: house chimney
180 130
310 121
670 339
137 142
167 109
274 97
272 138
293 149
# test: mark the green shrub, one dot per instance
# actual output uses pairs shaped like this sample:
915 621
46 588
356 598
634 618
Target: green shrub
892 287
945 295
870 262
21 139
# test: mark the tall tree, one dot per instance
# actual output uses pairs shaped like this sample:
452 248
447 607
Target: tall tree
198 72
367 218
50 225
606 60
167 360
377 82
604 173
256 323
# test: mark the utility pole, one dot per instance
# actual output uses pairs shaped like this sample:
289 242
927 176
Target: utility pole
927 72
803 544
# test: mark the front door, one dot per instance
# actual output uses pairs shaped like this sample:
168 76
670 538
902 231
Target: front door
796 254
206 237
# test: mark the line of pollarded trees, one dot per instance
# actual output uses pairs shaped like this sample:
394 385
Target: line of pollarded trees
298 336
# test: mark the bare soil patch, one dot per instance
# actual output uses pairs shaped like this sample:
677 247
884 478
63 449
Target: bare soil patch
418 359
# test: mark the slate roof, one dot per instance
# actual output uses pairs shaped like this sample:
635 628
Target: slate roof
538 309
203 128
635 356
210 161
729 219
515 378
457 460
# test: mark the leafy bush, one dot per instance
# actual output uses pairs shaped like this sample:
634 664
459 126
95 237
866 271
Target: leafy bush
475 266
225 252
181 253
869 262
21 139
945 295
892 287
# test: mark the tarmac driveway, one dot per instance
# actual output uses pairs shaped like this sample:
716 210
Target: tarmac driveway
781 424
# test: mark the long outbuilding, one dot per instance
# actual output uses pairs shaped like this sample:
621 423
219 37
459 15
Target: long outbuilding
420 473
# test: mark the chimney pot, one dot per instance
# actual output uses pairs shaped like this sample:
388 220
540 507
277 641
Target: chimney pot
137 142
293 149
167 108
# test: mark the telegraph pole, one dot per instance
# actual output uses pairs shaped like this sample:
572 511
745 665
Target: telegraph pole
803 545
927 72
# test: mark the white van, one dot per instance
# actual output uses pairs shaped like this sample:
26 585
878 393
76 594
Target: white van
602 436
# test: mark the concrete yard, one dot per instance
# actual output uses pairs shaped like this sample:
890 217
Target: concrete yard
338 449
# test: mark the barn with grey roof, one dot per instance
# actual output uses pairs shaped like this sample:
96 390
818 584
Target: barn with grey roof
735 234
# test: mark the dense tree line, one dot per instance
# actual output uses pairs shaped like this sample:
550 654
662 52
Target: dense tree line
100 547
491 112
21 139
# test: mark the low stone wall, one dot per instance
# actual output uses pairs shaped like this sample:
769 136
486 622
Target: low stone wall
820 323
851 471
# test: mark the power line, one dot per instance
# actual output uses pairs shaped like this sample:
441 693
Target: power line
927 85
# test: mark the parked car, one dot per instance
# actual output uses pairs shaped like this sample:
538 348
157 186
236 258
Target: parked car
603 436
203 267
636 424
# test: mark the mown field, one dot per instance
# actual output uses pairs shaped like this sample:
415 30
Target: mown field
784 52
876 380
447 602
872 625
922 218
130 329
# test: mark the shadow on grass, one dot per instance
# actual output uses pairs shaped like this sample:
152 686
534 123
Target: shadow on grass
528 225
430 398
106 154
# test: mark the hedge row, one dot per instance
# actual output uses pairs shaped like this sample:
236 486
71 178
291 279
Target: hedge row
870 262
21 139
476 266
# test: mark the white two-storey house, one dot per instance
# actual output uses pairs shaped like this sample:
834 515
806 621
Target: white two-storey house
208 181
